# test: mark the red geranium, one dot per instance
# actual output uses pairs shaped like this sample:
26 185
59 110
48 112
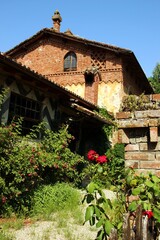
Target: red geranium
149 213
92 155
101 159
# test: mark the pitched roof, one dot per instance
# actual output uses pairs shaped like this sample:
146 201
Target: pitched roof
84 106
126 54
66 35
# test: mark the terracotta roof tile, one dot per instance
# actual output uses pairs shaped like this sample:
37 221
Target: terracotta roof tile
68 36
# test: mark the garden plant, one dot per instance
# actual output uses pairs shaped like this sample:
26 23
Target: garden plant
108 215
30 167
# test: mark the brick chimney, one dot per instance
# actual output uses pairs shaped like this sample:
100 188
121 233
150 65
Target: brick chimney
56 21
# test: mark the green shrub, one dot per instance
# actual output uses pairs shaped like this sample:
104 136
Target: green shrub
146 188
67 165
26 163
135 103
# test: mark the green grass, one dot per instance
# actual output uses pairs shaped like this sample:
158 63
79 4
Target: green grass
6 236
60 204
13 223
49 199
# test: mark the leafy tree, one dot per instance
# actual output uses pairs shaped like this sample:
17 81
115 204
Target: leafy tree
155 79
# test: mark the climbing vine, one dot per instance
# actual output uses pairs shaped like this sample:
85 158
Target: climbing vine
108 129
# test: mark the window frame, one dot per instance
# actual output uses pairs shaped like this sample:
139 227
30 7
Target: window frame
29 109
70 62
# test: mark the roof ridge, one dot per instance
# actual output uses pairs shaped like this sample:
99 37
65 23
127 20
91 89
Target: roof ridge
75 37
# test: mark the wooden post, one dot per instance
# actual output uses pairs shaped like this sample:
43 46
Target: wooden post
138 234
126 227
145 228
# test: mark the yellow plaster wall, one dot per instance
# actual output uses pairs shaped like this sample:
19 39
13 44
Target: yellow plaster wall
77 89
110 95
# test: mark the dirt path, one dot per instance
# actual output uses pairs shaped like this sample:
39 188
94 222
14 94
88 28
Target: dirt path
49 230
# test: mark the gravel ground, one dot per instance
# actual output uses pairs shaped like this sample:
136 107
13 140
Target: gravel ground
48 230
56 228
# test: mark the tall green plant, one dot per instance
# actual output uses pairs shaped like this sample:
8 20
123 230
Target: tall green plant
116 164
102 212
107 215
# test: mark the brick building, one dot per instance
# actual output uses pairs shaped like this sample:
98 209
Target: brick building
100 73
36 99
78 75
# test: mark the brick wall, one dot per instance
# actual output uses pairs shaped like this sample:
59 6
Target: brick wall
47 58
140 132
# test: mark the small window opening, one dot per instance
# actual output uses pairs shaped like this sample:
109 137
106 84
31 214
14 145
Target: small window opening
70 62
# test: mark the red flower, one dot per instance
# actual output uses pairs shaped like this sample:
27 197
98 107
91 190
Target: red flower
101 159
4 199
149 213
92 155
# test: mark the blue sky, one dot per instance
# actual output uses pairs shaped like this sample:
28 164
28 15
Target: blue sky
130 24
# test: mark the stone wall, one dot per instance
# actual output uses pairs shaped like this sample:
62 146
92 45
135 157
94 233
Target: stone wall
140 132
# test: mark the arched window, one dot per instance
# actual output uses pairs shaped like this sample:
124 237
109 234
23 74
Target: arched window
70 62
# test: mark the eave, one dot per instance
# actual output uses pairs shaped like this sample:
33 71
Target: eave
39 81
51 32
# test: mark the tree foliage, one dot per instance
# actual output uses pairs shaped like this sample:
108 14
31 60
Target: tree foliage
155 79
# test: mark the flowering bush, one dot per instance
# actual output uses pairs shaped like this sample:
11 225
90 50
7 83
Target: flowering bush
101 159
95 169
94 156
107 169
25 164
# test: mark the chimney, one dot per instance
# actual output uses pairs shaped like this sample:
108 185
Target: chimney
56 21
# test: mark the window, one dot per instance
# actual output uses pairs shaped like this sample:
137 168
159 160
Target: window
70 62
27 108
